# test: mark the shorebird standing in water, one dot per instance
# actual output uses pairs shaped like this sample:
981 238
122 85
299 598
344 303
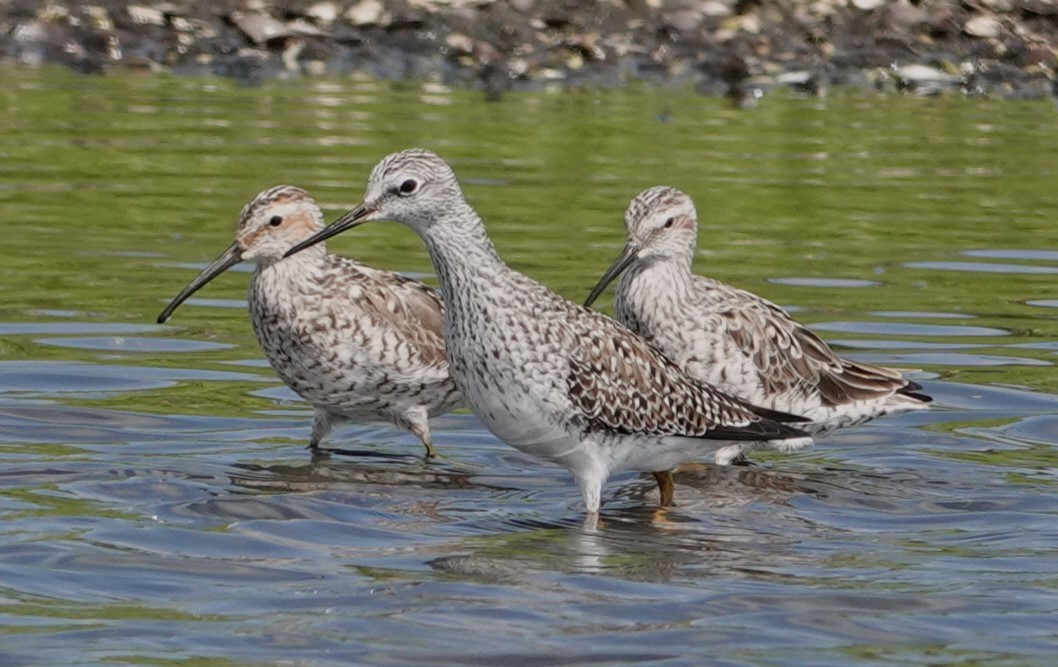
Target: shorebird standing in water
545 375
355 342
733 339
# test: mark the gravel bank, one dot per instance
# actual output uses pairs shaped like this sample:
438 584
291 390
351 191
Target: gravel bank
740 48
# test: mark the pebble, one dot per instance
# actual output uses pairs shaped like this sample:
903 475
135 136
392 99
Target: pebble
983 26
715 8
366 12
459 43
145 15
259 27
324 13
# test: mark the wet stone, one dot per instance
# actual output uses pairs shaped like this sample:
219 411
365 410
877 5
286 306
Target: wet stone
983 26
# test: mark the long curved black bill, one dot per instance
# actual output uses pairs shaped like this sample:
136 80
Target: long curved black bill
627 256
351 219
228 259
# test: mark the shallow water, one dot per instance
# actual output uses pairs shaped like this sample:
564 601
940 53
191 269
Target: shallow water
157 505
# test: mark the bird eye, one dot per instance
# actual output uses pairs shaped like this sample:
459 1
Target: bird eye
276 220
409 186
670 222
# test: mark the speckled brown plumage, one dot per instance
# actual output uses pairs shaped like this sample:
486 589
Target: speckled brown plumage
357 342
622 385
743 344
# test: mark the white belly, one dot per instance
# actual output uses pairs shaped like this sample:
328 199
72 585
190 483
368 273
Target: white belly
521 422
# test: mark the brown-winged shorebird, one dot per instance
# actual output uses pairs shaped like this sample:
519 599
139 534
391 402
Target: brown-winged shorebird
357 343
731 338
545 375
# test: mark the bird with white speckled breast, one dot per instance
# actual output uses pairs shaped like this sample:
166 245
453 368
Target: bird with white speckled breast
734 339
547 376
357 343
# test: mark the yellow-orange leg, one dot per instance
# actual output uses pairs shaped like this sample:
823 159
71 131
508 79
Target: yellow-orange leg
666 488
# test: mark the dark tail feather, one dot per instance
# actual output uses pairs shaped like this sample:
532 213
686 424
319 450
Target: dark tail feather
766 429
914 390
777 416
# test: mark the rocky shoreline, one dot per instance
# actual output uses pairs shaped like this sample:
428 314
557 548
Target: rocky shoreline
739 48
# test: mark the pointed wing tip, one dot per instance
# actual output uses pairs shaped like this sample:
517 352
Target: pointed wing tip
778 415
914 390
925 399
787 432
762 430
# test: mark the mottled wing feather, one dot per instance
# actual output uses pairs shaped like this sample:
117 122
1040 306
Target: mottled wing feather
789 357
418 312
620 384
411 310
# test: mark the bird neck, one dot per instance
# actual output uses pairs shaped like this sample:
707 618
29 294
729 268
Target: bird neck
296 272
667 279
681 261
463 254
311 255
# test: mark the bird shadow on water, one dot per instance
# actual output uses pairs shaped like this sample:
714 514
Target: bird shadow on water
720 525
736 521
334 468
452 493
703 490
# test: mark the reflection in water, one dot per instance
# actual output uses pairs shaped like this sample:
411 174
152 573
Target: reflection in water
133 344
901 329
912 314
823 282
54 328
950 359
634 541
326 472
983 267
1030 255
157 505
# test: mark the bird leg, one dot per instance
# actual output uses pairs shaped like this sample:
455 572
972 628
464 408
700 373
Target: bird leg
666 488
427 442
420 426
322 421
